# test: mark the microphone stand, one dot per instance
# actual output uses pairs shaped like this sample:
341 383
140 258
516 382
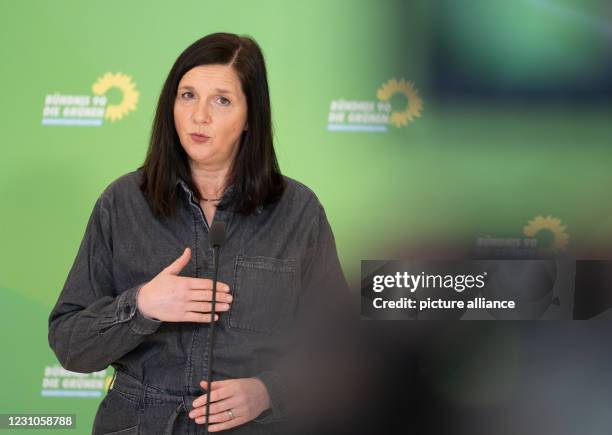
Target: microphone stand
217 235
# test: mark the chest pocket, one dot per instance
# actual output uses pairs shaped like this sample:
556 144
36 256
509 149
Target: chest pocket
264 294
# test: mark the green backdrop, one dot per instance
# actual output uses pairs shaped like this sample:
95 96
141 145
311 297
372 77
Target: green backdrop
480 139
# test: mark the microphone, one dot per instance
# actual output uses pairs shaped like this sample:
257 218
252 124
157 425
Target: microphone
216 236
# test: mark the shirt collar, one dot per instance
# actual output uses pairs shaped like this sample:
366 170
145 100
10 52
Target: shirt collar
227 195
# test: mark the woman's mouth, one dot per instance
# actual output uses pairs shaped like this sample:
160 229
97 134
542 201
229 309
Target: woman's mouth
199 138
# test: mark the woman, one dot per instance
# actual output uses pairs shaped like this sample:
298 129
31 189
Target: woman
138 296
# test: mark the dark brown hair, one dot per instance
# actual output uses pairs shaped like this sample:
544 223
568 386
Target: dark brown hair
255 173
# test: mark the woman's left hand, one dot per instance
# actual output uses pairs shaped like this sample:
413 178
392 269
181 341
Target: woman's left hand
246 398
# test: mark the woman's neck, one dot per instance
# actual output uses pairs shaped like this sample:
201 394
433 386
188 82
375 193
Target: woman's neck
210 182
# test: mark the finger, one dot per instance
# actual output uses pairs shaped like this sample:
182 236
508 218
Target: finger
197 283
218 384
216 409
205 284
206 295
236 421
219 392
191 316
177 265
206 307
220 417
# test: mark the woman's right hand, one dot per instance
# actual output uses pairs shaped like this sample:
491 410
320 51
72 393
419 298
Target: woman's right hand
173 298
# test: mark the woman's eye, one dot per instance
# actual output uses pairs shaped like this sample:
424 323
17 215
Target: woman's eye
223 101
187 95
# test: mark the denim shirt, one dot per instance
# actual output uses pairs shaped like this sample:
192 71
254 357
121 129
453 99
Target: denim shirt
273 260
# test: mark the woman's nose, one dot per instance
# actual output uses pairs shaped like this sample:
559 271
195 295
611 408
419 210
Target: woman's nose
201 115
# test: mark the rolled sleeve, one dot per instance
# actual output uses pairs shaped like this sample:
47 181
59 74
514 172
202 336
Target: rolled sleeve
127 311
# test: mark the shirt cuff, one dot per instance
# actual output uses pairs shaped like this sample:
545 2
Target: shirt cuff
127 311
277 395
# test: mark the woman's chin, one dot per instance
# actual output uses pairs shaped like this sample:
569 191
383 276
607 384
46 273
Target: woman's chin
204 159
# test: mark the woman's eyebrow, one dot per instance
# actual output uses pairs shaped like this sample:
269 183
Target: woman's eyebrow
218 90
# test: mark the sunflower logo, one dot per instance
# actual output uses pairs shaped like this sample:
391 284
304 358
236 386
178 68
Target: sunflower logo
415 103
552 224
122 82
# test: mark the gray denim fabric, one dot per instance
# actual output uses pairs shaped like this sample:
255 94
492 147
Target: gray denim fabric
273 260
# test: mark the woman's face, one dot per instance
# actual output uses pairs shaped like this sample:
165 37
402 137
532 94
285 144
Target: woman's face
210 114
